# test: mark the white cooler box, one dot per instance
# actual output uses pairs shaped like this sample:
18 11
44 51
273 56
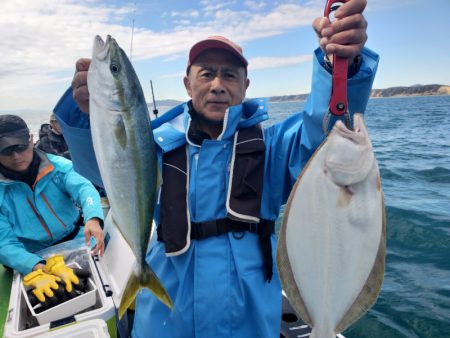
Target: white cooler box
65 309
109 274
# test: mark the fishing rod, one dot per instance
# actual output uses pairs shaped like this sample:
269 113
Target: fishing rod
155 111
131 44
132 33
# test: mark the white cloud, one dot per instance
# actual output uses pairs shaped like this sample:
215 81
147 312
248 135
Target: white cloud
38 40
52 40
178 75
42 39
277 62
210 6
255 5
186 14
261 63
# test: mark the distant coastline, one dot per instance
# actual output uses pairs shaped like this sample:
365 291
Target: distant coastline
416 90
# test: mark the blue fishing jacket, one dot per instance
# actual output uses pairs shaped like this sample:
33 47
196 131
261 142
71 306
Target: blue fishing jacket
218 285
34 219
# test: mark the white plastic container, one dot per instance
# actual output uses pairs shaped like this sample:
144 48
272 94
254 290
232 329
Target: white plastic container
109 275
94 328
66 309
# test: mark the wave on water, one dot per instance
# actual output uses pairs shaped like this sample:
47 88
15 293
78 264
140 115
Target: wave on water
435 175
418 231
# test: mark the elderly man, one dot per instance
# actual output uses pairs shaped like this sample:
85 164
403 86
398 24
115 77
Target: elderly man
224 180
40 197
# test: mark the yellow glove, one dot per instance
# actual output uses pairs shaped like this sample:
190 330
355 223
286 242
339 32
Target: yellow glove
42 282
55 266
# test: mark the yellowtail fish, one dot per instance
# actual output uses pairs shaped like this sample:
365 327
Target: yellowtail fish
126 156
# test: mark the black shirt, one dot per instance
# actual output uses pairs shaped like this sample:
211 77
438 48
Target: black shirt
194 133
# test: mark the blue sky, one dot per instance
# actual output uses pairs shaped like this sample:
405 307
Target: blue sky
41 40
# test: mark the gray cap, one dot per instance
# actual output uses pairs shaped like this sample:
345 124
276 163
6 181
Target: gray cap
13 131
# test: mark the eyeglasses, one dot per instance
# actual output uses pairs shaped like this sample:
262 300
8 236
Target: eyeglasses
18 149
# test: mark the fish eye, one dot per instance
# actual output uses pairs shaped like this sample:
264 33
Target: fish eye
114 67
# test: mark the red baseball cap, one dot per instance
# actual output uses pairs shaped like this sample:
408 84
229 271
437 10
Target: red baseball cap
215 42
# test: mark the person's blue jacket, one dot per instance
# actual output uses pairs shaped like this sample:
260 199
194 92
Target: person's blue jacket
34 219
218 285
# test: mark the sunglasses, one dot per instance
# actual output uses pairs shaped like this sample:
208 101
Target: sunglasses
18 149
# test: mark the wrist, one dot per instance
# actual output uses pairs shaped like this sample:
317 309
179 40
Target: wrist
353 64
95 221
39 265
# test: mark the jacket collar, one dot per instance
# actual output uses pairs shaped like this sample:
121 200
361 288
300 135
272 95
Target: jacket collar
170 129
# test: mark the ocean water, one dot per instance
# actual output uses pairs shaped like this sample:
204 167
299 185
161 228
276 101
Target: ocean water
411 140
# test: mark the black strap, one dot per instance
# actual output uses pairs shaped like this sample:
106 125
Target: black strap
220 226
264 229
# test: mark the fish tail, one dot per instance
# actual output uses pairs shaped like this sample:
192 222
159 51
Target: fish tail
148 280
129 295
151 282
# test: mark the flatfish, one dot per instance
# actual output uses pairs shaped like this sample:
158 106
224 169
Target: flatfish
332 242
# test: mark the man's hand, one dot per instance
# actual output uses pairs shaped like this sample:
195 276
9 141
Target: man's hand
79 85
346 35
92 228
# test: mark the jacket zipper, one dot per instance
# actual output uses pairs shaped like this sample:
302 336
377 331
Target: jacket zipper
39 218
53 212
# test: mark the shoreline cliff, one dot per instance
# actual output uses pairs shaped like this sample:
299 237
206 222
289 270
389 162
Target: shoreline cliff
417 90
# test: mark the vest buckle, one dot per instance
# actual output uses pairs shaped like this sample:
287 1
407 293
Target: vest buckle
253 227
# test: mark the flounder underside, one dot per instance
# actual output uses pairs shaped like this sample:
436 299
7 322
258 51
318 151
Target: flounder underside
332 242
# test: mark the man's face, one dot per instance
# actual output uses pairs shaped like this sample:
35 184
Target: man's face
216 80
20 160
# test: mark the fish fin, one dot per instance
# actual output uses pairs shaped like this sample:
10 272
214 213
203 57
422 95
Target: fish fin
120 132
284 267
150 281
129 295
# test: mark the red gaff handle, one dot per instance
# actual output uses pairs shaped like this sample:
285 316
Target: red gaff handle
338 103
